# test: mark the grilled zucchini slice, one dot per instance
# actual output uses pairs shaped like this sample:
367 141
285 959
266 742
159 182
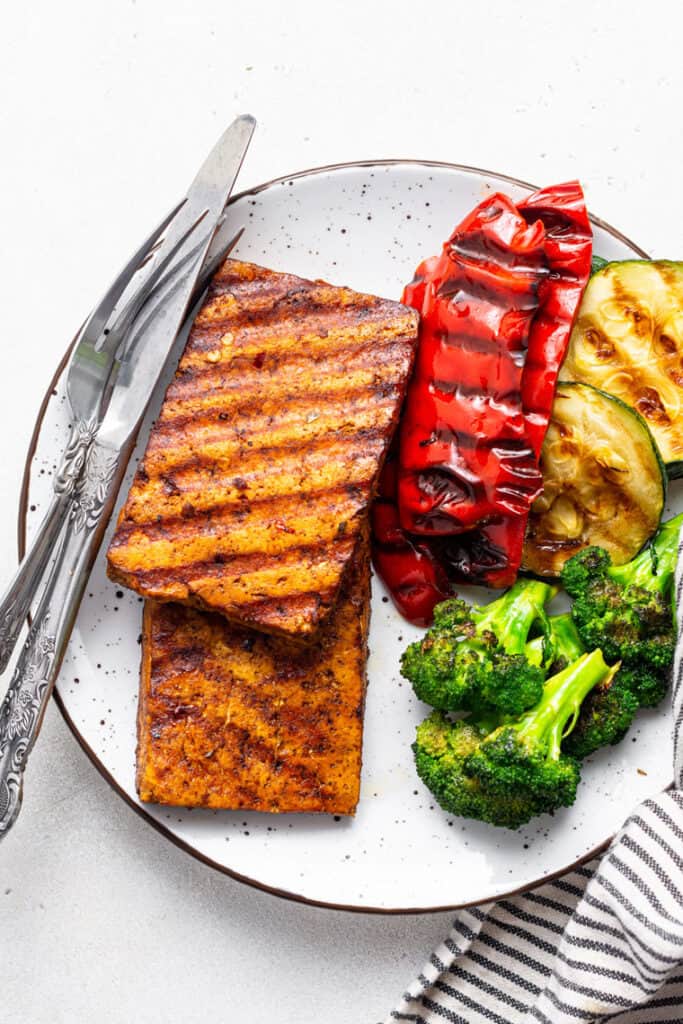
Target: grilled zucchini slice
604 481
628 341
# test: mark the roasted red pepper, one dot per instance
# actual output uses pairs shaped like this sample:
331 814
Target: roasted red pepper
464 454
421 571
492 553
416 579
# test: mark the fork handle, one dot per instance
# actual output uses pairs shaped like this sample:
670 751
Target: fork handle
23 708
18 598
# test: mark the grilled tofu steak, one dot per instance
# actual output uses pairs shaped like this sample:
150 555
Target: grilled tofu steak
260 468
232 718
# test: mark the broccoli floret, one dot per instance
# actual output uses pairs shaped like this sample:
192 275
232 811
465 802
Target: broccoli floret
605 717
609 709
584 568
523 760
559 645
441 748
649 687
626 610
473 657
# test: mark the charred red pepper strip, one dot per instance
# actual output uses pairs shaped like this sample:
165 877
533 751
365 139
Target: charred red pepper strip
492 553
414 293
416 580
464 455
412 573
568 249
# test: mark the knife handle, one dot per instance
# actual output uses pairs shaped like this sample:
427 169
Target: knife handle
23 708
18 598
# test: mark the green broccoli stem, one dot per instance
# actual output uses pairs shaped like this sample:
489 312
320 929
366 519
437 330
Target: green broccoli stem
565 637
654 567
563 694
512 615
535 651
562 637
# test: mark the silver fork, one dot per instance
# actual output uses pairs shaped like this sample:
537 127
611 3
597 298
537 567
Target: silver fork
90 369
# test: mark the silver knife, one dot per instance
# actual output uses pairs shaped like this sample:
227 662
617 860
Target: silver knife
139 368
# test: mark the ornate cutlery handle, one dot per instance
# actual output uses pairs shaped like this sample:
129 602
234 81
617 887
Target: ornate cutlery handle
17 600
22 710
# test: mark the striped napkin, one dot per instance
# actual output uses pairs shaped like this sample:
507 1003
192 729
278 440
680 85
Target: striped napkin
603 943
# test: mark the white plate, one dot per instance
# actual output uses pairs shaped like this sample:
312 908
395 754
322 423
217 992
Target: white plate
366 226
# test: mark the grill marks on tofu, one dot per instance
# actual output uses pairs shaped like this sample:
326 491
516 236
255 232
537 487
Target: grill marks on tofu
261 466
234 719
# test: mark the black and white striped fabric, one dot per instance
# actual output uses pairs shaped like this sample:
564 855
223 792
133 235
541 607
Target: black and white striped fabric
603 943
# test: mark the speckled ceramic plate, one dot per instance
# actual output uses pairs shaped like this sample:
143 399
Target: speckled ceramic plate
367 226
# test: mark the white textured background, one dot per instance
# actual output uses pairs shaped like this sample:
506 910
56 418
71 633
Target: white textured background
105 111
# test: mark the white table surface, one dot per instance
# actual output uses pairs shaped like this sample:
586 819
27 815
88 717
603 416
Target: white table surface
106 110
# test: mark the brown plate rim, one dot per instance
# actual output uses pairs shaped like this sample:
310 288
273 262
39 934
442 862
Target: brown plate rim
21 529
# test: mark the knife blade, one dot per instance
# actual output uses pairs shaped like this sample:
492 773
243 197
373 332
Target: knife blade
142 363
140 366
